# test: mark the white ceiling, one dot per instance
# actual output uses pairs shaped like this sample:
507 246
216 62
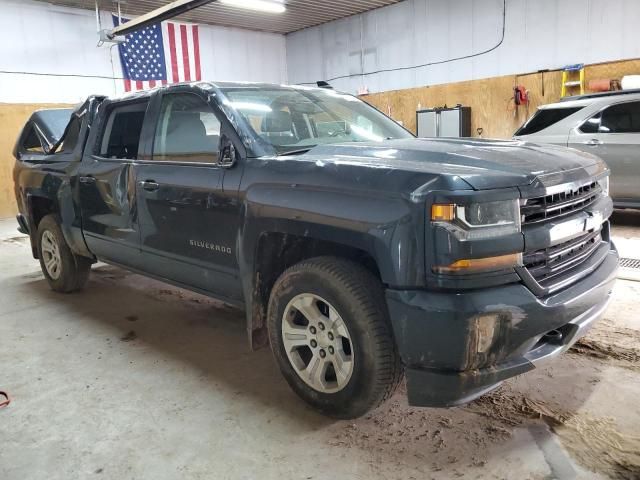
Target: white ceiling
300 13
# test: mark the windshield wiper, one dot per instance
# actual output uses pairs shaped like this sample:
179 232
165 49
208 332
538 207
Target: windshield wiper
295 152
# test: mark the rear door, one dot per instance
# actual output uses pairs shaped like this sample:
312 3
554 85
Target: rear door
107 184
188 222
614 135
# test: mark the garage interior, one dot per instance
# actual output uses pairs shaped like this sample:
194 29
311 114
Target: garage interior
134 378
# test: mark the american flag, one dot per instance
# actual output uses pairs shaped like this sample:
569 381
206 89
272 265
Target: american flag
163 53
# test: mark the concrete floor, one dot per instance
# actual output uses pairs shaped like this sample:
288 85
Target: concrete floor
133 379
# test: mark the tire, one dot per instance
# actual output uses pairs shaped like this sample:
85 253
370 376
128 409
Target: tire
365 368
65 271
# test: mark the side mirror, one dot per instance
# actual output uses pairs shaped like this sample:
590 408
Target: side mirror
228 153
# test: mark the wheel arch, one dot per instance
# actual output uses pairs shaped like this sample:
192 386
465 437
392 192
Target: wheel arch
275 250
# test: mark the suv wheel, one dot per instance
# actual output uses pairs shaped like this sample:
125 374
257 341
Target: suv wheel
331 336
64 271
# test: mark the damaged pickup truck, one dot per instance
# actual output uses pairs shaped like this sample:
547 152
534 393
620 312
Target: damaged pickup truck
358 252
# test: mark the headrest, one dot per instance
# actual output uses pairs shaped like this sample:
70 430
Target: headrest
184 122
277 122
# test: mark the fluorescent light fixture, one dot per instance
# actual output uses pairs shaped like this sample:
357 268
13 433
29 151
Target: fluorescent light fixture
260 5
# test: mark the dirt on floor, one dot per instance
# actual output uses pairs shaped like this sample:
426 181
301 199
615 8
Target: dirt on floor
596 442
611 343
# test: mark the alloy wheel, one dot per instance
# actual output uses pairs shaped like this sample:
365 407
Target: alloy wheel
317 343
51 255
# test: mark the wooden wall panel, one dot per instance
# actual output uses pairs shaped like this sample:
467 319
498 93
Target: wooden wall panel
12 119
489 98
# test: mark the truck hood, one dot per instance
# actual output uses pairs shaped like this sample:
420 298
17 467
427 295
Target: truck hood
483 164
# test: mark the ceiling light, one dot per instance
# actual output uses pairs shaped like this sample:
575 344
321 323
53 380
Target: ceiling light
260 5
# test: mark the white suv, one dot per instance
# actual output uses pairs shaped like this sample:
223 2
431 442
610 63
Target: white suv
605 124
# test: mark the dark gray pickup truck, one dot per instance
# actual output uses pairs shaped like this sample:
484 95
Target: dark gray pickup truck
359 252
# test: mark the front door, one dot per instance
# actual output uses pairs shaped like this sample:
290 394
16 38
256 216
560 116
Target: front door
614 136
107 185
188 222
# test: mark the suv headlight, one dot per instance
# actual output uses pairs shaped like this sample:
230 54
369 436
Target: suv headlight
479 221
604 185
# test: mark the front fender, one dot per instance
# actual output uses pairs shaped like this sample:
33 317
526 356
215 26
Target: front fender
388 228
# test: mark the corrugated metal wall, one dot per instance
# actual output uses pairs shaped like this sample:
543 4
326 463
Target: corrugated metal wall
37 37
539 34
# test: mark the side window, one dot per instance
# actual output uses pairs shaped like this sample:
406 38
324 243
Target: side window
621 118
187 130
592 125
121 137
31 142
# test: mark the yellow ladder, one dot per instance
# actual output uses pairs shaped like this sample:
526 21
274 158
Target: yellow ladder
569 81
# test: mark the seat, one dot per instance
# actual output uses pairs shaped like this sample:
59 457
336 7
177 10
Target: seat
187 137
277 126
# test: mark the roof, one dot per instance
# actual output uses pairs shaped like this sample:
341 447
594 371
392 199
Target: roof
597 95
300 13
594 99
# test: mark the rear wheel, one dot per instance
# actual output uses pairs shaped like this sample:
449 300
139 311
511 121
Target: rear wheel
64 271
331 336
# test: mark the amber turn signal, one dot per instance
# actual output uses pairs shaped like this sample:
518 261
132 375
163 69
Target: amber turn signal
443 212
481 264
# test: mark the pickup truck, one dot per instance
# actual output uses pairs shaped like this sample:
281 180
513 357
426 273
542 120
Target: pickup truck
360 253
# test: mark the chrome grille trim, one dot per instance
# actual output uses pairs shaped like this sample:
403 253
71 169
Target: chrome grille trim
539 209
549 262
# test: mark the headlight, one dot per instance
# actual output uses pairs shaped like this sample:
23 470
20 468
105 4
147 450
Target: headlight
478 220
604 185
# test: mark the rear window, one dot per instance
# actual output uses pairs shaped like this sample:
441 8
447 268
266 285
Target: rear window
544 118
121 137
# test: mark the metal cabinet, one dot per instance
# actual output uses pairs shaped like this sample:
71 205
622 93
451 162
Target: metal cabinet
444 122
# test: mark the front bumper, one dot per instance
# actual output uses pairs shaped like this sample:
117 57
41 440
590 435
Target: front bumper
457 346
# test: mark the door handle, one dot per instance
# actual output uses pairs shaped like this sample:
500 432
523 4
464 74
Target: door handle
87 180
149 185
594 142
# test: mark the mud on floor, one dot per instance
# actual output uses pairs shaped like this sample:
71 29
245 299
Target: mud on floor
612 343
595 442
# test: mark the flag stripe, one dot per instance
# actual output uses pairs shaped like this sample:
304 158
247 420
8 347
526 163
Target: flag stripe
185 53
180 63
127 85
190 50
139 85
174 55
152 83
196 51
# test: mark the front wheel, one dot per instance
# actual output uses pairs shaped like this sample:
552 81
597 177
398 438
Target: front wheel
331 336
64 271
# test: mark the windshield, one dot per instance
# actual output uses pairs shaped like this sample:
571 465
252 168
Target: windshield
292 120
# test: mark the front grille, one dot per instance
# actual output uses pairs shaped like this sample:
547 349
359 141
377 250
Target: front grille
549 262
539 209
